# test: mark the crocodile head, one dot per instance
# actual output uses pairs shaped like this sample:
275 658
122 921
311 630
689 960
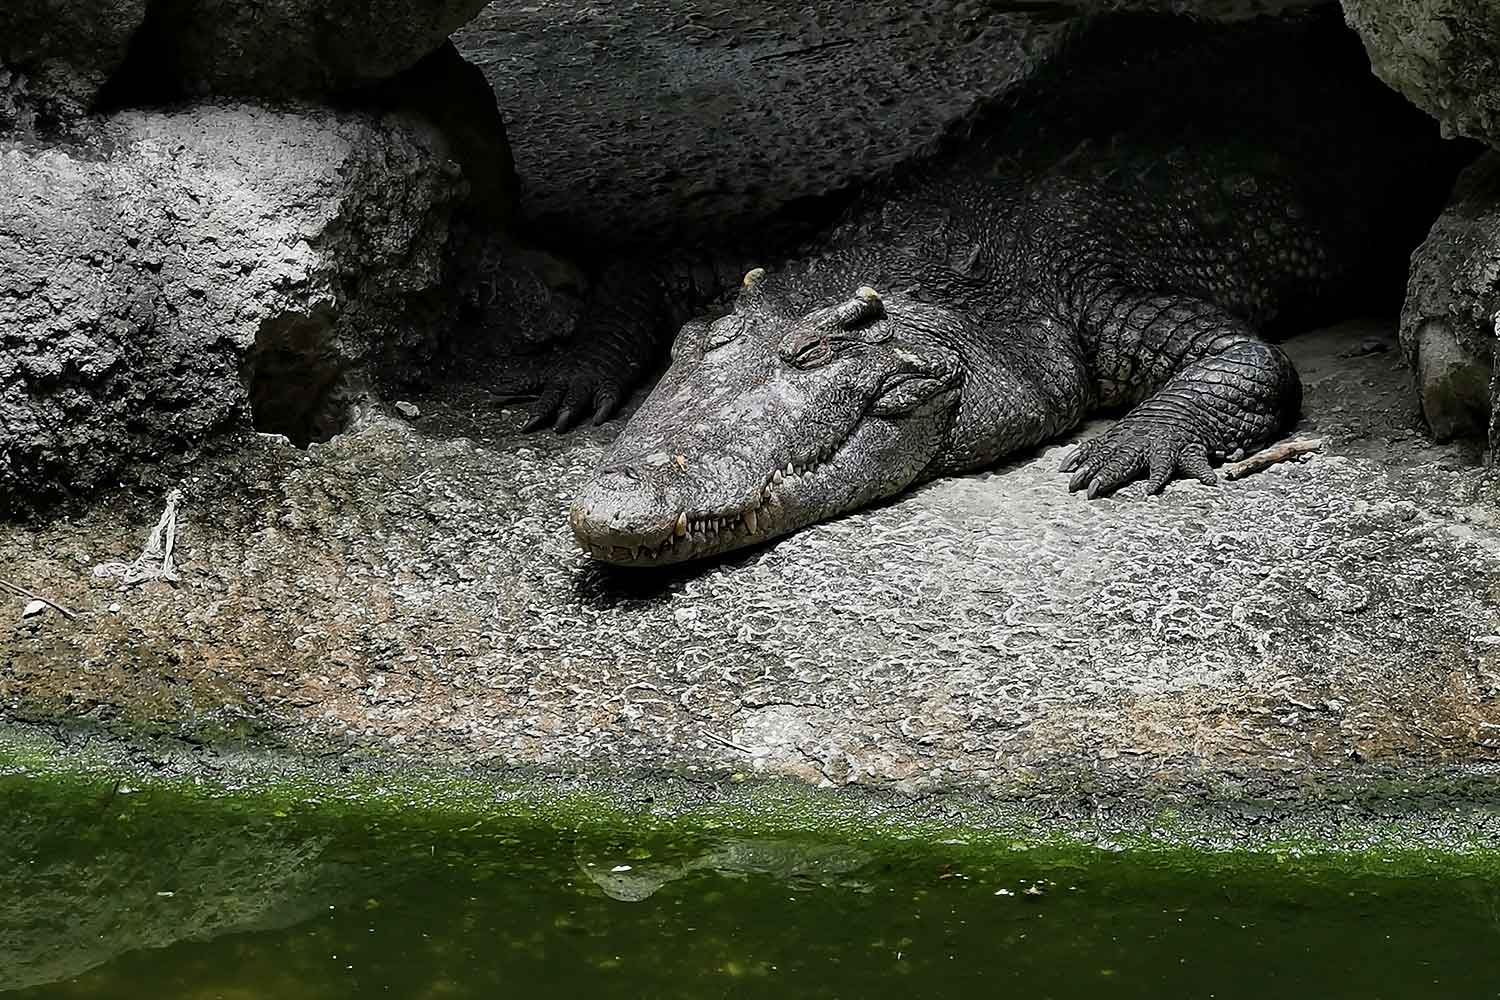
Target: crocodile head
769 420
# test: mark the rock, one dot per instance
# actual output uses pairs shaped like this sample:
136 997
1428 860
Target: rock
993 626
665 122
1444 55
454 97
1209 10
408 410
661 121
1453 295
164 276
56 55
284 48
34 608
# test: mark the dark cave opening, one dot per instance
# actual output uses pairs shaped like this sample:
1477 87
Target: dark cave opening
298 384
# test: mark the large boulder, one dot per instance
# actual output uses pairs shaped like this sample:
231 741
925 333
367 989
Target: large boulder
668 121
660 122
283 48
1207 10
56 55
1444 55
62 58
168 276
1448 324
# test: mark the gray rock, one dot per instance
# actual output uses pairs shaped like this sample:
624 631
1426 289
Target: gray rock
454 97
665 121
1448 321
421 589
1215 10
55 55
166 274
661 121
1444 55
288 48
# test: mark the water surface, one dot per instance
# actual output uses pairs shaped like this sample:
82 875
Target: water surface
110 892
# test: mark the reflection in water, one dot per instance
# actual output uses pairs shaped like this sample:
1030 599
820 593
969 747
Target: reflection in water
798 863
152 895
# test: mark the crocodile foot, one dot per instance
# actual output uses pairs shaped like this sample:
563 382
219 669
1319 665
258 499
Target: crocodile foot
569 386
1154 445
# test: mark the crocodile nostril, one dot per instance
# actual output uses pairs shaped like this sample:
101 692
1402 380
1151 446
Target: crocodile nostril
621 506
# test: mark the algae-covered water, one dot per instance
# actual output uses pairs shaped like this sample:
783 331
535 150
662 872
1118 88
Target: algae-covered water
111 891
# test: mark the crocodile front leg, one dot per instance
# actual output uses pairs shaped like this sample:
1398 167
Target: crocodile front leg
1204 386
620 333
631 315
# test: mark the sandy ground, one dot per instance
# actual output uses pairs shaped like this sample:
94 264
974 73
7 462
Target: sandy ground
412 588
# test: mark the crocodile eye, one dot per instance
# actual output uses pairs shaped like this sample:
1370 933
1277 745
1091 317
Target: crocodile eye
814 355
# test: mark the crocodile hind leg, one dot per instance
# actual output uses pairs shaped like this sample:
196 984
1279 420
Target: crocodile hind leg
1204 386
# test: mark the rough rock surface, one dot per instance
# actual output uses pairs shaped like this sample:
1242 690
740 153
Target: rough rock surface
1448 323
415 587
1217 10
167 273
56 55
284 48
658 121
1444 55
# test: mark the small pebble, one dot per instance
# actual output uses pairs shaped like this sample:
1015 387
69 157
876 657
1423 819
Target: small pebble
34 608
114 609
408 410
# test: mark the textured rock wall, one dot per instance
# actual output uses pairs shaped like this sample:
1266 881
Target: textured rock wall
55 55
168 273
1448 322
62 58
1443 55
659 121
664 121
285 48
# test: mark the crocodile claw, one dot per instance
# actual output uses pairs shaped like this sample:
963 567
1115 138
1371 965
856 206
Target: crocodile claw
566 393
1138 446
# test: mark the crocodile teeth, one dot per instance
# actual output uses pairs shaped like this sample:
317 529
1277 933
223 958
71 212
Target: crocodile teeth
680 528
777 477
791 469
751 524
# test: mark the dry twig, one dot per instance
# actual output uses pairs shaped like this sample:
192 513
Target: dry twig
23 592
1283 451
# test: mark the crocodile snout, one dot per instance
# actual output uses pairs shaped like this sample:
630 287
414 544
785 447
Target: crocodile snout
620 509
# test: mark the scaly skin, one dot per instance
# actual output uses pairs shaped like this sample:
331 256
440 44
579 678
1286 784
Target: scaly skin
1111 249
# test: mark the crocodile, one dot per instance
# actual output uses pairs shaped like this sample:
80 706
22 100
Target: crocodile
1126 235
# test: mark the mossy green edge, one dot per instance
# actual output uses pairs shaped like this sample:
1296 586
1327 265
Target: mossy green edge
1453 833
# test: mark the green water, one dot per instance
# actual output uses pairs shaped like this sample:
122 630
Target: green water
110 892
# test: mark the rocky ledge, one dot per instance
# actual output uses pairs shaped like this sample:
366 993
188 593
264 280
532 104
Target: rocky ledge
411 587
